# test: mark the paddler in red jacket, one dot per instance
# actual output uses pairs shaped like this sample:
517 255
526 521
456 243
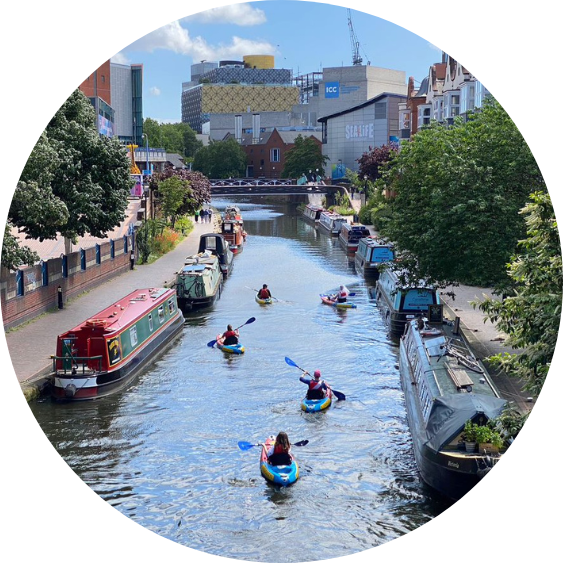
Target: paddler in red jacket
264 293
279 453
317 387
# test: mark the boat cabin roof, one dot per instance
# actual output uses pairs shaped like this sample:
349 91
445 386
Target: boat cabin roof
125 310
374 241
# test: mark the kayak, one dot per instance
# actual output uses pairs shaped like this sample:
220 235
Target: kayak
230 349
283 475
317 405
328 301
266 301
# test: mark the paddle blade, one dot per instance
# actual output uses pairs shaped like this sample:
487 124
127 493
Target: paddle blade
246 445
301 443
212 343
290 362
250 320
340 396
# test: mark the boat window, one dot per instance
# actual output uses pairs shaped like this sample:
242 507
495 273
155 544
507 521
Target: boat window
381 254
150 322
161 314
171 306
227 227
418 299
133 335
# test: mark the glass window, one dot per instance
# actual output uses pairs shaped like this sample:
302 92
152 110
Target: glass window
150 322
133 335
161 314
274 155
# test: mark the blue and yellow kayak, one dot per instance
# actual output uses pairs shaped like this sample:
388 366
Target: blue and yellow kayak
267 301
328 301
283 475
317 405
230 349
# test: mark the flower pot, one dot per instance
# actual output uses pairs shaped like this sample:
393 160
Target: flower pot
488 448
470 447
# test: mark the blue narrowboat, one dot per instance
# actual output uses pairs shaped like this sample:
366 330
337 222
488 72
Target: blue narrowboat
371 253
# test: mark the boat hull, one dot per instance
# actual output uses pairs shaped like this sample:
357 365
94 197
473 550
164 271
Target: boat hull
282 475
236 349
316 405
346 305
267 301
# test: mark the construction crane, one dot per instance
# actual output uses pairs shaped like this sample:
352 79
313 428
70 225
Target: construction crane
356 59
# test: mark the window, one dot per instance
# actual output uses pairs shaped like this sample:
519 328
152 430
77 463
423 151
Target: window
161 314
171 306
380 110
274 155
150 323
133 335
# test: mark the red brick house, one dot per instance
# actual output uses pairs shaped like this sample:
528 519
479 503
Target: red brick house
265 155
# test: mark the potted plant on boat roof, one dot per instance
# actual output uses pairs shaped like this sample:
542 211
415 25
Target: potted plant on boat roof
469 436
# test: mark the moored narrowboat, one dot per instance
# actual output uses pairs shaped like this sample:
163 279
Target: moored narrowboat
232 228
313 212
331 222
402 304
216 244
198 282
350 235
371 253
441 396
103 354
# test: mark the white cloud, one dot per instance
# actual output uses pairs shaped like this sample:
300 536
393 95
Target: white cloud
238 14
173 37
120 59
154 91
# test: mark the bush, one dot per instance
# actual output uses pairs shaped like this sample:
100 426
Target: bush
165 242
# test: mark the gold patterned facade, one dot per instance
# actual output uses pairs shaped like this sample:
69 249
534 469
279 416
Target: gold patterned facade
238 98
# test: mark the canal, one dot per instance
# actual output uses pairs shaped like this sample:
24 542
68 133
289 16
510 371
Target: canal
164 452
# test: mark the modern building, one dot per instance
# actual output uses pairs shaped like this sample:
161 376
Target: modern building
349 133
235 87
127 101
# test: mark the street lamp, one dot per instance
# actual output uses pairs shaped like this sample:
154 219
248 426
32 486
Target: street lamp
146 150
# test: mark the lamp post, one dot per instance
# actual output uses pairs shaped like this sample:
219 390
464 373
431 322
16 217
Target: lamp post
146 150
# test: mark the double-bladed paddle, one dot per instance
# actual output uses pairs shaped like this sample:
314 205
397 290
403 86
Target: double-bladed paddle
340 396
247 445
212 343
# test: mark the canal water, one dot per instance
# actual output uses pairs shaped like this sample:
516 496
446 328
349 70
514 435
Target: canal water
164 452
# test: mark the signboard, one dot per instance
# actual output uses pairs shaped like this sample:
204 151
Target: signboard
114 350
435 313
338 171
137 189
359 131
332 89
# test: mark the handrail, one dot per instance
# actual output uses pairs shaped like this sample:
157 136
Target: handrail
77 361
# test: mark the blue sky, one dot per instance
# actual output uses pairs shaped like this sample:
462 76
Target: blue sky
302 36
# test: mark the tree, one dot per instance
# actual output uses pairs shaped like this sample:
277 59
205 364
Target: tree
303 156
195 187
459 190
221 159
370 162
173 137
531 316
75 181
173 190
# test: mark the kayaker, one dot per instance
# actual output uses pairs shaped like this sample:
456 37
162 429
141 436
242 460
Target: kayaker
279 452
342 295
264 293
230 336
317 387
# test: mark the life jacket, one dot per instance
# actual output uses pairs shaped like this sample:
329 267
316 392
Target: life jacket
316 390
230 338
264 294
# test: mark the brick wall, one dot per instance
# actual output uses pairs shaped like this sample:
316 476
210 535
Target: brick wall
38 298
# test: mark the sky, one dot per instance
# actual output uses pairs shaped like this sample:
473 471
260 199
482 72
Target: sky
302 36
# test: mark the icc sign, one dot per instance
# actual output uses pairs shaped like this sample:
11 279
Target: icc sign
332 89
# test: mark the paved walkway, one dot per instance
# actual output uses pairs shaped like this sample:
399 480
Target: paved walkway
32 344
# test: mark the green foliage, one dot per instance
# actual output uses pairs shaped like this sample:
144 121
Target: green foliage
221 159
195 186
15 255
172 191
178 138
531 316
459 190
305 155
75 181
184 224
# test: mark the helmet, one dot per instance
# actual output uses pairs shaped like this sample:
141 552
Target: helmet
317 374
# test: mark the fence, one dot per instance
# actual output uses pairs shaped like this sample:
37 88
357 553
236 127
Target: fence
31 291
